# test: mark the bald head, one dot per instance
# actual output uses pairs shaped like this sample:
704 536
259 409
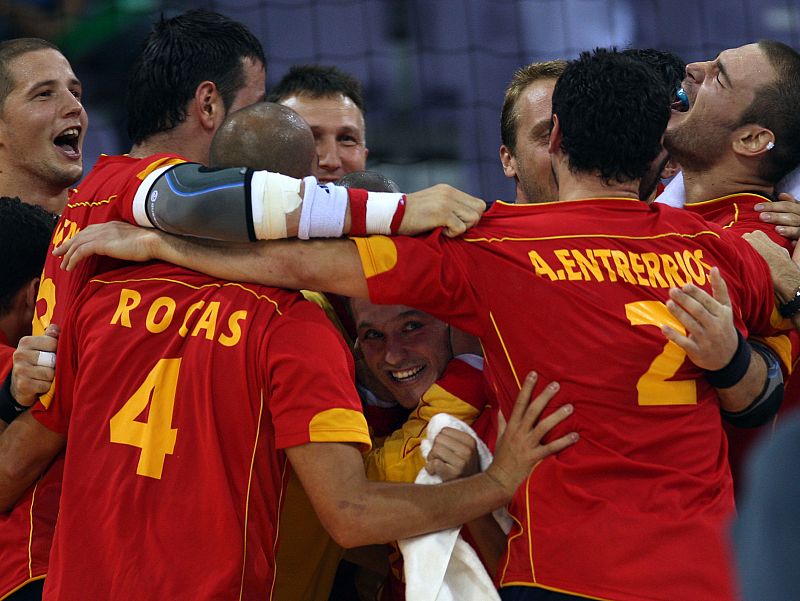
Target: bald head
368 180
265 136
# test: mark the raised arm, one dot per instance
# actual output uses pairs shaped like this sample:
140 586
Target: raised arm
785 271
326 265
26 449
746 376
357 512
240 205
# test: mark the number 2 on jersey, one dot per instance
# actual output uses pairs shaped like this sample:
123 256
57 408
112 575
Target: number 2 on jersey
155 437
655 386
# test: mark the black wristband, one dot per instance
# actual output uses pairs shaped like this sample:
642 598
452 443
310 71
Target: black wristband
792 306
734 371
9 408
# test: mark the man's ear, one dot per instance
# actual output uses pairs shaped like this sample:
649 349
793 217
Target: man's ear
31 292
752 140
671 169
508 161
208 105
555 136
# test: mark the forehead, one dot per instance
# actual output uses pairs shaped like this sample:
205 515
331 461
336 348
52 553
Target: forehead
536 101
327 111
33 67
746 65
255 82
380 315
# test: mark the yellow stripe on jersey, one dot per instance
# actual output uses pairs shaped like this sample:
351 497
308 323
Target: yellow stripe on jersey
340 425
165 162
94 203
587 235
782 346
727 196
193 287
505 350
378 254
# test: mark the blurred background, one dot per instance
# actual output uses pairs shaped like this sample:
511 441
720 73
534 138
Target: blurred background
434 71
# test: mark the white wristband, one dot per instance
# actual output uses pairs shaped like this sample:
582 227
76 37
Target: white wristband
272 197
381 207
324 209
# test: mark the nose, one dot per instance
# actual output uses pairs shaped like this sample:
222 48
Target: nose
697 71
395 352
72 105
328 155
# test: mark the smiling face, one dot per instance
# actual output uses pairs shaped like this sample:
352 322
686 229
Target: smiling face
405 349
42 123
719 92
339 133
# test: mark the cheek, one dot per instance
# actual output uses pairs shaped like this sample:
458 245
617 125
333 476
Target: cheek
353 158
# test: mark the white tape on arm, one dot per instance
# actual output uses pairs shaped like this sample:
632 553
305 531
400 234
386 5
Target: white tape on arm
381 207
272 197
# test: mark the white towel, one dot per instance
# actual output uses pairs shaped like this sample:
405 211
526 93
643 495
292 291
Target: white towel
441 566
674 194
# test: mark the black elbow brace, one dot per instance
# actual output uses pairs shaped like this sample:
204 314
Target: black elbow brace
766 405
192 200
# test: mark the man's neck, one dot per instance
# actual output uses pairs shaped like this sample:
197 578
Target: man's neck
572 186
33 191
720 180
173 141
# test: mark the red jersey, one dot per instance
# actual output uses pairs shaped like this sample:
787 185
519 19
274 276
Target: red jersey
27 531
577 292
178 393
107 193
736 213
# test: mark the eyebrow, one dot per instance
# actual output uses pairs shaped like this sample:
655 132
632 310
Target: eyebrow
403 315
49 82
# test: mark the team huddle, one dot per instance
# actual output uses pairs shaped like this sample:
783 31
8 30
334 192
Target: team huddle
202 402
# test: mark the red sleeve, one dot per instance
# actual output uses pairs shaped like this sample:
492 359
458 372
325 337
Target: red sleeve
6 360
427 273
312 395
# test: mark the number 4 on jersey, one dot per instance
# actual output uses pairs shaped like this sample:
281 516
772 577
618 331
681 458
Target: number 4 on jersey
156 436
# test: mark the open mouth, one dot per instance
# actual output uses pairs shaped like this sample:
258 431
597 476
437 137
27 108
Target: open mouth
68 142
406 375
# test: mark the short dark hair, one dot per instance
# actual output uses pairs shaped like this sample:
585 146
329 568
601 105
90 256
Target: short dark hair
612 111
178 55
25 232
11 49
317 81
265 136
670 66
777 107
509 116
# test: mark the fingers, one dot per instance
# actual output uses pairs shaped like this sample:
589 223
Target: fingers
523 398
784 214
682 341
29 378
719 287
